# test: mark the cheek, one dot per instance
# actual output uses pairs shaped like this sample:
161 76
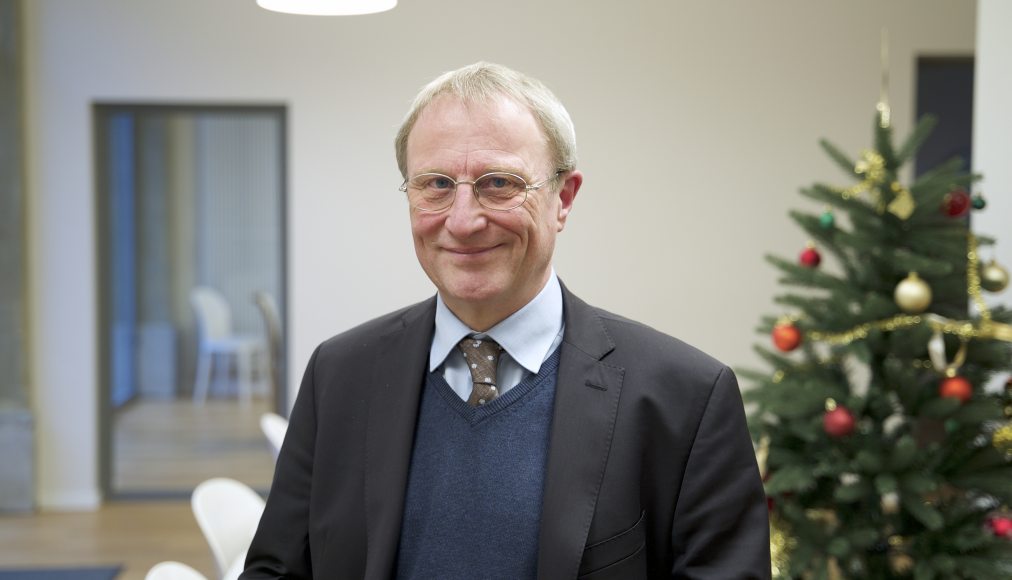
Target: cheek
423 226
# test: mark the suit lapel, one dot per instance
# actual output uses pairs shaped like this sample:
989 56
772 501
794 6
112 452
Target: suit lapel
586 402
392 413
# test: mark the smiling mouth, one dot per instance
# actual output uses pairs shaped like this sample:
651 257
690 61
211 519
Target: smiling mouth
470 251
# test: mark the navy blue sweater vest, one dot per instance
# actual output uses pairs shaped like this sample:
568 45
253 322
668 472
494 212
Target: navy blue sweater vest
473 502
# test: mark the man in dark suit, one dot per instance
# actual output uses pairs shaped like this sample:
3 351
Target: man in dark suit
505 429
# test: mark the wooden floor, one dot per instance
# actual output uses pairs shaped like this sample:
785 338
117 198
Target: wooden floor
172 445
160 447
136 535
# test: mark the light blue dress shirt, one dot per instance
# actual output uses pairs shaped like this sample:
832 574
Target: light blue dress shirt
529 336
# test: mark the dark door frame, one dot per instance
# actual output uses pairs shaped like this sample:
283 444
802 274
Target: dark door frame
102 111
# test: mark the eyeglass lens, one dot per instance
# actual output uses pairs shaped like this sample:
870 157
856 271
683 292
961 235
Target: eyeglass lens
431 191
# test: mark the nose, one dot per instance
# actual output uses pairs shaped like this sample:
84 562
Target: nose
466 216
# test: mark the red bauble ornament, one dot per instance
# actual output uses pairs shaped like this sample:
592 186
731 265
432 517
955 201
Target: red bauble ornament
810 257
786 336
1001 526
956 387
956 203
838 422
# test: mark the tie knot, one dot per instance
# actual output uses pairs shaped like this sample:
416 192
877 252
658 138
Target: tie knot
482 356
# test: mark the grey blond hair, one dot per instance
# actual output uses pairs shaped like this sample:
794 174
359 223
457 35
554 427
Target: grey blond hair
482 82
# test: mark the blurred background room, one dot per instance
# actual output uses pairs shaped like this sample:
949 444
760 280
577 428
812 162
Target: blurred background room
195 194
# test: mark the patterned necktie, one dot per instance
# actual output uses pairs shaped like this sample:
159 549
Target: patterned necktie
482 356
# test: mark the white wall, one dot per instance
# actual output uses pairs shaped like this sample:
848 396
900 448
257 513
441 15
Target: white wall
992 125
697 122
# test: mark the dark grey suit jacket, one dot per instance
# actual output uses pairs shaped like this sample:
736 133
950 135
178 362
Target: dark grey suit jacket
651 471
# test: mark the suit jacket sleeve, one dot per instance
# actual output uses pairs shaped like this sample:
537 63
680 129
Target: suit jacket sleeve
280 548
721 524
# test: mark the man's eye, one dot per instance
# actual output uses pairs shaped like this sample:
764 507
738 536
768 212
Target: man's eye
440 183
499 183
432 183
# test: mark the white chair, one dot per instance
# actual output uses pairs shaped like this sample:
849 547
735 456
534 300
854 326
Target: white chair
170 570
274 427
236 568
227 512
215 337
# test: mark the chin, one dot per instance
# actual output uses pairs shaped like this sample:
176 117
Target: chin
472 290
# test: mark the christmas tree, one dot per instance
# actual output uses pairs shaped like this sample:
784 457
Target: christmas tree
883 454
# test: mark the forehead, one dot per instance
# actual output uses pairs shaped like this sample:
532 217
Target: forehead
454 134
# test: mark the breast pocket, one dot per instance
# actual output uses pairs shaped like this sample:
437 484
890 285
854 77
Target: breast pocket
621 556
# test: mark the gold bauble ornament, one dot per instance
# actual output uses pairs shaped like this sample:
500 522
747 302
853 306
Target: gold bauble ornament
900 563
890 503
912 294
993 277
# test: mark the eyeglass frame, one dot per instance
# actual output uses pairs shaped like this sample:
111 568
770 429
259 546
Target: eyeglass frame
528 188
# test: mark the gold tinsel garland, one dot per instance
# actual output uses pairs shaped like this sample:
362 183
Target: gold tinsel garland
781 545
871 167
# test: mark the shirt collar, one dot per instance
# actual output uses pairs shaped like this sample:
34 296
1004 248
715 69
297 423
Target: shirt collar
526 335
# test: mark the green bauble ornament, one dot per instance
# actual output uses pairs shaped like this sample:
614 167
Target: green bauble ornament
978 201
827 220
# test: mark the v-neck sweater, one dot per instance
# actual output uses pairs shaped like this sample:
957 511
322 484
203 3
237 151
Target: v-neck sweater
473 502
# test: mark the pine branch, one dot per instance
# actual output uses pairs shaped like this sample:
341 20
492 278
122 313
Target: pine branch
996 483
751 376
979 411
827 194
884 145
903 261
792 478
841 159
923 512
813 307
774 360
904 453
913 143
808 277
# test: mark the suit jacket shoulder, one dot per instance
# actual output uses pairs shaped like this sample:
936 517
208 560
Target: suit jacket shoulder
683 356
367 338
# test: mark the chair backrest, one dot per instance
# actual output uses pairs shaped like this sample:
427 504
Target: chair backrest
272 317
274 427
214 318
228 512
268 308
170 570
236 568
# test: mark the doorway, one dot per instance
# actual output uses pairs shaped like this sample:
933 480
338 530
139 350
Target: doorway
190 202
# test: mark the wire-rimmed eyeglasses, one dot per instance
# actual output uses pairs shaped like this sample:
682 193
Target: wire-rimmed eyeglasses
498 190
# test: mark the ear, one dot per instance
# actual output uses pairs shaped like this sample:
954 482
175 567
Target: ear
567 194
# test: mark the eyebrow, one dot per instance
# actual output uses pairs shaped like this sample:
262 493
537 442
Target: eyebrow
485 171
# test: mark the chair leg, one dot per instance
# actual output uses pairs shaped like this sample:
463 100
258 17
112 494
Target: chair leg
263 373
203 381
244 364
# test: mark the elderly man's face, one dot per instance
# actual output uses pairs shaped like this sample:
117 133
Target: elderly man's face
486 264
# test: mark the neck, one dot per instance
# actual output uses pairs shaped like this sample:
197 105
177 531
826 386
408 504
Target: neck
481 316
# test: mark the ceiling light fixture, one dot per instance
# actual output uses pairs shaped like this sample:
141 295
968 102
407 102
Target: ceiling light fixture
328 7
